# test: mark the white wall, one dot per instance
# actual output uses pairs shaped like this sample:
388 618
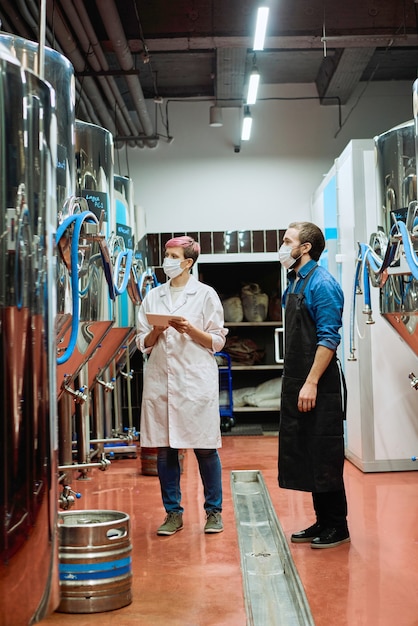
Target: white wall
199 183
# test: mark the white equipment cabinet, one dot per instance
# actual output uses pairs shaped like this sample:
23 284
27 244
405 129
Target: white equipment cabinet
382 421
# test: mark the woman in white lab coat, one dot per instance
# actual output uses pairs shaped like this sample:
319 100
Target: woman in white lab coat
180 403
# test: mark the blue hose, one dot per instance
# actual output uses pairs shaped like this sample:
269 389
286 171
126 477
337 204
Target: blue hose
356 284
366 277
128 255
78 220
410 255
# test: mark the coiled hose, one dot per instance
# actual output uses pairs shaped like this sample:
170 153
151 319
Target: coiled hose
78 220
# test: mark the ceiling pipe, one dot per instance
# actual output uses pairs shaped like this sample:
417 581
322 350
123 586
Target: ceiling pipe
111 20
86 36
14 22
98 52
71 51
83 103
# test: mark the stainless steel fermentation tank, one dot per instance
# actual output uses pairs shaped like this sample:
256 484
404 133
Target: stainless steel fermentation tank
28 494
397 196
62 337
86 293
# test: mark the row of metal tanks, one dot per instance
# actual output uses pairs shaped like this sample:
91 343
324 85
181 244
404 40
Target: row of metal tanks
72 272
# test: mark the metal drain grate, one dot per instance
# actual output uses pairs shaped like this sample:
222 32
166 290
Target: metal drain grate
274 595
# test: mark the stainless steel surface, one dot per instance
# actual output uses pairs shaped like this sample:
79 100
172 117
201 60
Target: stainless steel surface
274 595
95 561
59 73
397 189
28 448
94 188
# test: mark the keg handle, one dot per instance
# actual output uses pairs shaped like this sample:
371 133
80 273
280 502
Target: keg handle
116 533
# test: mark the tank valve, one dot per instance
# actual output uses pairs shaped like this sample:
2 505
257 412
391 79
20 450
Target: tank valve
107 386
104 462
68 497
414 380
79 396
127 374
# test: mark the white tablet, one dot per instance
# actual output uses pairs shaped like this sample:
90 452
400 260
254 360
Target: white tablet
155 319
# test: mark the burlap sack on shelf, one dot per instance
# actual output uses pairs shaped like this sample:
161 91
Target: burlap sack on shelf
243 351
254 302
233 311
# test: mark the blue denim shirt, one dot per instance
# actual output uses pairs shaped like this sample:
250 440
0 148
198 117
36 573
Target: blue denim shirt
324 300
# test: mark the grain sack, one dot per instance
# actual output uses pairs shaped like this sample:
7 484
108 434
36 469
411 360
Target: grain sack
233 311
255 303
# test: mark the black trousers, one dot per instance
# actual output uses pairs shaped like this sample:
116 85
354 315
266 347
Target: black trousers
331 509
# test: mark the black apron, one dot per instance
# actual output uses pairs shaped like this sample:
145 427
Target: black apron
311 445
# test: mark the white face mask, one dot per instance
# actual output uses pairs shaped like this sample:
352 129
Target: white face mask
172 267
285 256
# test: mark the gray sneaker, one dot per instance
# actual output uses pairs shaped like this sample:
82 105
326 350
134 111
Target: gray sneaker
172 523
214 522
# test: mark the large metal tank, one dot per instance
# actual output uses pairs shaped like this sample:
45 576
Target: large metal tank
94 191
59 72
125 238
91 310
28 446
397 191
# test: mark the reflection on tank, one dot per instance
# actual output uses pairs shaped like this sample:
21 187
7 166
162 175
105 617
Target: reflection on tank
28 491
71 276
390 260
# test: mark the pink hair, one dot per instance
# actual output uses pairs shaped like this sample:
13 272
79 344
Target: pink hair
183 242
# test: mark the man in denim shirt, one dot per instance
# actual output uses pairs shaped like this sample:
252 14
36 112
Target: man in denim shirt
311 444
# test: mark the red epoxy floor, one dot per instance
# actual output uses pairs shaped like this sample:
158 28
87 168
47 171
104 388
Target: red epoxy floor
192 579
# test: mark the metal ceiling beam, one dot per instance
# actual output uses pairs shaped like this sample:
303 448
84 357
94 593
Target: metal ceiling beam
230 76
275 43
340 74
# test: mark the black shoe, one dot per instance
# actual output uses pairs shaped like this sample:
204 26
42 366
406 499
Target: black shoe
331 537
304 536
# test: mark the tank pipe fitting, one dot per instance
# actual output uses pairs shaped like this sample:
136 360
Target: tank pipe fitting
414 380
410 255
68 497
128 375
147 281
103 464
78 394
121 439
108 386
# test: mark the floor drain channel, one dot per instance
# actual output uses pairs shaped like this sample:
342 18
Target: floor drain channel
274 595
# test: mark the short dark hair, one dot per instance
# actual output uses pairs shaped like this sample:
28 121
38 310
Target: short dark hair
310 233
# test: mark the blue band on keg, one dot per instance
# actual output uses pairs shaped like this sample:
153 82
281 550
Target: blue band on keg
95 571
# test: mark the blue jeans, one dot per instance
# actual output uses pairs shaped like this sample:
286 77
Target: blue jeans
169 474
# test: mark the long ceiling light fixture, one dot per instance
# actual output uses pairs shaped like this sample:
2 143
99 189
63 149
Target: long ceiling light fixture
253 86
247 122
261 27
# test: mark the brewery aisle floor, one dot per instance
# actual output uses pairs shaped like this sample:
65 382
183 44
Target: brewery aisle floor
192 579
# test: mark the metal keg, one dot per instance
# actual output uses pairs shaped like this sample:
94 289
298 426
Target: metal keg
94 561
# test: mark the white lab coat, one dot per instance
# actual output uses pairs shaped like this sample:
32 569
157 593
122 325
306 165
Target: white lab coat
180 402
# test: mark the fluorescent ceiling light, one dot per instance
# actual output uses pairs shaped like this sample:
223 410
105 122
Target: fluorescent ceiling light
260 29
246 125
253 87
